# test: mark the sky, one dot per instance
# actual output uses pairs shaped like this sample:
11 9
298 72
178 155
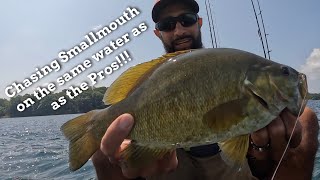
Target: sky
34 32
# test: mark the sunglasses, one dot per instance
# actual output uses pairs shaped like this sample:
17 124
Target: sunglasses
169 23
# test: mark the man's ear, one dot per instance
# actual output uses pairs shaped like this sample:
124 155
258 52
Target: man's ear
157 33
200 22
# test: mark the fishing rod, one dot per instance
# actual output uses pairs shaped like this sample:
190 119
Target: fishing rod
263 38
211 24
210 27
259 30
264 30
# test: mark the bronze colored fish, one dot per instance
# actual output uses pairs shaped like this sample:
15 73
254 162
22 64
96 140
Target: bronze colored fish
190 98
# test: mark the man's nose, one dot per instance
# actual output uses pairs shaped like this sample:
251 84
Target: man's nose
179 30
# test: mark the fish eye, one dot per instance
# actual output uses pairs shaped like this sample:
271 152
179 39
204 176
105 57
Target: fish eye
285 71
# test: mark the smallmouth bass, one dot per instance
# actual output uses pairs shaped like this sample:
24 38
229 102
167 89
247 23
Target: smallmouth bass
190 98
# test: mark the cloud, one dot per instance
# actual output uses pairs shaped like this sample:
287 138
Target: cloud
312 69
312 66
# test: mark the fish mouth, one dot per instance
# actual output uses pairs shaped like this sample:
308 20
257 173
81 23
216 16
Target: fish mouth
303 86
303 92
299 101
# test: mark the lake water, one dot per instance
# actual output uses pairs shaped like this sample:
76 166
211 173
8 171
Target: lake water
34 148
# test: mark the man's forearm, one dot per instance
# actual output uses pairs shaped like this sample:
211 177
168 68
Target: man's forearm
299 163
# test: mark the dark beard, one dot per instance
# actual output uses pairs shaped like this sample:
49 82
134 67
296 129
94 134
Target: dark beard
196 44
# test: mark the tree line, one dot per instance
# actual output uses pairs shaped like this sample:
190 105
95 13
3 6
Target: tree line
314 96
84 102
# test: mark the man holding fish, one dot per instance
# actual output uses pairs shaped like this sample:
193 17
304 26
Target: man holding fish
178 27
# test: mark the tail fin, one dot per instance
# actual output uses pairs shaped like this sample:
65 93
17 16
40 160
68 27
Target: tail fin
82 142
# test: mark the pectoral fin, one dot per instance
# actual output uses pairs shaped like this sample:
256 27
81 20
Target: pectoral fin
234 151
224 116
130 79
135 156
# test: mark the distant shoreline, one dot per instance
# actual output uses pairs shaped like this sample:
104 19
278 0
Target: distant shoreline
85 102
7 117
314 96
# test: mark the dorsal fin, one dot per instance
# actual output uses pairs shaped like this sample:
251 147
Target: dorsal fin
128 81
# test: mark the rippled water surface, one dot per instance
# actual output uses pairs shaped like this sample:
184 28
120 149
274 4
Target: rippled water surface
34 148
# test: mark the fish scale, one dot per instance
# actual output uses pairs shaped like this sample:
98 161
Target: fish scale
162 104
